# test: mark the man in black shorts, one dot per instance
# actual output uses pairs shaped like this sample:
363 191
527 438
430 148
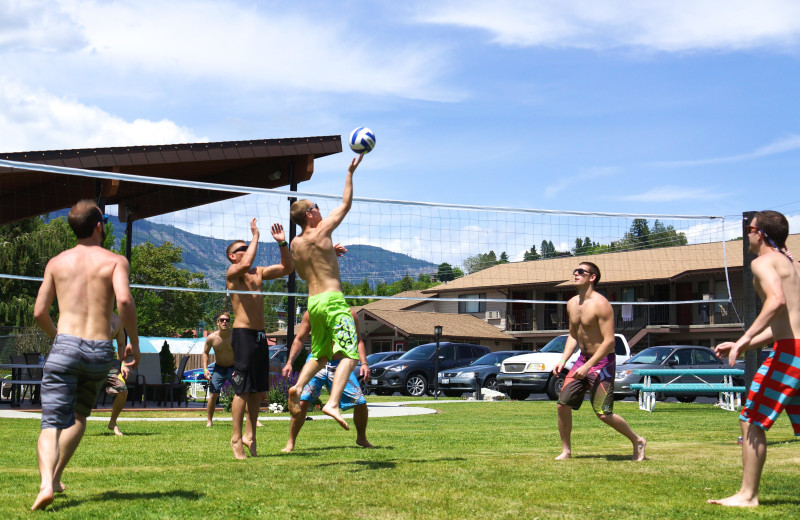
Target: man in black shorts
250 350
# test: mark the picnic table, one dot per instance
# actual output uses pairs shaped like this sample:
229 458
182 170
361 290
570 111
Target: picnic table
17 381
730 395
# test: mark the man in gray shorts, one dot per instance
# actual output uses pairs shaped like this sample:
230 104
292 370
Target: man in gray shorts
86 280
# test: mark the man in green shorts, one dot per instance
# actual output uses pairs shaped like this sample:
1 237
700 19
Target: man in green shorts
333 331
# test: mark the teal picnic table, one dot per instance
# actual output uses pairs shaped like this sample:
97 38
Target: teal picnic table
730 395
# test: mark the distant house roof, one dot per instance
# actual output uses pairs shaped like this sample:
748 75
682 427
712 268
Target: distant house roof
454 326
261 163
667 263
396 304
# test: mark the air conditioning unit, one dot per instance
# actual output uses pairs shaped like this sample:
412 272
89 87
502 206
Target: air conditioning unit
492 315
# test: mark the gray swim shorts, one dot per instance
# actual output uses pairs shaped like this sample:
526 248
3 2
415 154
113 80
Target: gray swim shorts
73 375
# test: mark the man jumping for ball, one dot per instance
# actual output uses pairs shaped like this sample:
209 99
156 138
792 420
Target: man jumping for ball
777 384
591 325
333 330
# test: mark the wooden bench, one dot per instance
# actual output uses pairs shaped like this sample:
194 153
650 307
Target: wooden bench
730 395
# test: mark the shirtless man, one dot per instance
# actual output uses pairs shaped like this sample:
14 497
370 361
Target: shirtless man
332 326
220 341
591 325
114 384
86 280
777 282
352 397
250 349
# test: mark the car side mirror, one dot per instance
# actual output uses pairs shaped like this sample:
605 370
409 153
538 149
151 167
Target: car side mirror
672 362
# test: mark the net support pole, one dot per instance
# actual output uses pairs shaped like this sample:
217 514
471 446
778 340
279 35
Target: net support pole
750 304
292 285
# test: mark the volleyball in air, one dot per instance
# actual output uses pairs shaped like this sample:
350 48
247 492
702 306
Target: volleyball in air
362 140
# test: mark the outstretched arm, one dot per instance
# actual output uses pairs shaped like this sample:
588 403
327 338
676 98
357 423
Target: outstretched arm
336 216
286 266
239 268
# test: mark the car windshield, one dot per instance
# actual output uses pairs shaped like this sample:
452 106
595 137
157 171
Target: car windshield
377 357
556 346
651 356
421 352
488 359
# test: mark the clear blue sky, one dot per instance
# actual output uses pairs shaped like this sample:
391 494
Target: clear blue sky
680 107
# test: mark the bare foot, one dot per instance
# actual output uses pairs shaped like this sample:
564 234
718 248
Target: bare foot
59 488
238 450
43 499
208 424
251 445
258 423
294 400
364 443
736 500
564 455
289 447
336 414
115 429
638 449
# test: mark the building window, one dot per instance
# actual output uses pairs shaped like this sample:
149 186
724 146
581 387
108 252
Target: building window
471 303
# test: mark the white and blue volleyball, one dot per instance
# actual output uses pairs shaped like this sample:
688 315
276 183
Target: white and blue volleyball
362 140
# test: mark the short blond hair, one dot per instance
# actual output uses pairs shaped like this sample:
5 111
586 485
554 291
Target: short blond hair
298 212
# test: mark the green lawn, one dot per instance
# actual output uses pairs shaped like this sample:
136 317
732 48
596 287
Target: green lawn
472 460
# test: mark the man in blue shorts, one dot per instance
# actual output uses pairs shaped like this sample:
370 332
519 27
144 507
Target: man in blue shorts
591 325
86 280
352 397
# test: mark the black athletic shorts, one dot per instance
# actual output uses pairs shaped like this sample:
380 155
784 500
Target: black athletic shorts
250 361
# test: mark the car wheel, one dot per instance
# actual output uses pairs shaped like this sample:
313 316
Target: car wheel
686 398
554 385
416 385
519 395
490 383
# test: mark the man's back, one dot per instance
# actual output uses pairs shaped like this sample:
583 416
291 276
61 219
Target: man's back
787 322
83 284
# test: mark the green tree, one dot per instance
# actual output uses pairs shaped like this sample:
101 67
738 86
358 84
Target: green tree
445 272
531 255
166 361
165 312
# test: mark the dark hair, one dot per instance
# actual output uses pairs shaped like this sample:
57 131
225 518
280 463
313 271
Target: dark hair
83 217
774 225
594 270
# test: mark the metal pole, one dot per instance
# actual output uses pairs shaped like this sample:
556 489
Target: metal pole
436 370
292 286
750 304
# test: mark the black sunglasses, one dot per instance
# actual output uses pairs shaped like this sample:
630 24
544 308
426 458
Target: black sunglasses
238 249
224 319
580 271
312 208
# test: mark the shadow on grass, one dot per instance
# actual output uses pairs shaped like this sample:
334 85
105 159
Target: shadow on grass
778 443
125 434
116 495
387 464
607 457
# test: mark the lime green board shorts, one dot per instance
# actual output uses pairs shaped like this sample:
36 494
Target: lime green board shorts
332 327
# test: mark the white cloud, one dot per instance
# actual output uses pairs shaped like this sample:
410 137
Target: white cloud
679 25
564 182
785 144
672 193
36 25
33 119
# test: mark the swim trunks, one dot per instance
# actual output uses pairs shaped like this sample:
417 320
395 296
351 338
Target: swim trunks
333 329
351 396
775 387
250 361
218 378
599 382
72 377
114 383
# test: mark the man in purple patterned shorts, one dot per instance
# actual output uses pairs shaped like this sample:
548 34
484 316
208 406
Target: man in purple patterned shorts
591 325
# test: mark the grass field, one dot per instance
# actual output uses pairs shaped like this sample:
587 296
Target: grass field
472 460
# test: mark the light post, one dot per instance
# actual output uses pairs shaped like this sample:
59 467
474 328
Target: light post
437 333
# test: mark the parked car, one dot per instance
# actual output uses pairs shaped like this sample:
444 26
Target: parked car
667 357
413 372
373 359
520 376
454 382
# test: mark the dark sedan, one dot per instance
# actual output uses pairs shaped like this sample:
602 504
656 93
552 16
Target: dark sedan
455 382
669 357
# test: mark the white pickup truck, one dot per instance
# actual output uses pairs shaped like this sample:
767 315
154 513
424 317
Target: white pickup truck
520 376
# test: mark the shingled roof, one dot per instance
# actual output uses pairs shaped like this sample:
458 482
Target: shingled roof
454 326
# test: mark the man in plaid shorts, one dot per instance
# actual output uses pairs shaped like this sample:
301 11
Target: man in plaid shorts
776 386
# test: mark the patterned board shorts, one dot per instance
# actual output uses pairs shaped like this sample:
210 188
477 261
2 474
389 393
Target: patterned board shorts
599 382
775 387
115 383
333 329
352 395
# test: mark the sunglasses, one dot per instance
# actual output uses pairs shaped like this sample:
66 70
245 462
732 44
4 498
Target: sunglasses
312 208
224 319
751 229
580 271
239 249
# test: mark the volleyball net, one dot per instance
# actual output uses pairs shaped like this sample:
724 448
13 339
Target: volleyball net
403 250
